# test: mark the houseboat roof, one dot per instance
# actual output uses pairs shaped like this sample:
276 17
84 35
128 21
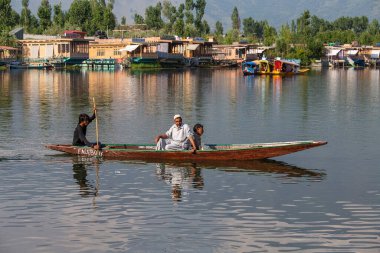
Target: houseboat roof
2 48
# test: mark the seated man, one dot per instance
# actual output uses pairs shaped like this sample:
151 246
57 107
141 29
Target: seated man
79 138
178 137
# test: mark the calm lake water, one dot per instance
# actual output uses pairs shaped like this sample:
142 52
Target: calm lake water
325 199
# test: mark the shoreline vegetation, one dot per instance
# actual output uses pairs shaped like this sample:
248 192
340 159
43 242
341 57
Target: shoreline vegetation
303 38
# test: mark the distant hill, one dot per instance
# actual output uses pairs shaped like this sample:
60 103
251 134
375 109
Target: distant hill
277 12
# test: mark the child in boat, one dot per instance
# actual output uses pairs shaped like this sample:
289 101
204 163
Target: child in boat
79 138
197 133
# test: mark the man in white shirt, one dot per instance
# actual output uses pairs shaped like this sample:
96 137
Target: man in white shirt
178 137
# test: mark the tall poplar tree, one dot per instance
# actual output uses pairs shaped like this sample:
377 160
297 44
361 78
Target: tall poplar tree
218 28
25 18
235 19
44 14
59 16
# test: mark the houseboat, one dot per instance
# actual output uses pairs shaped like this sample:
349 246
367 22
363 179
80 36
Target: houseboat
72 48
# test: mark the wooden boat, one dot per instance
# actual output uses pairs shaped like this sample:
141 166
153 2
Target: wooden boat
283 67
265 67
210 152
25 65
249 68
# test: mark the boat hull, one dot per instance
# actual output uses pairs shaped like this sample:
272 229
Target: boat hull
228 152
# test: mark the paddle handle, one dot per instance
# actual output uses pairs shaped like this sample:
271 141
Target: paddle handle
96 122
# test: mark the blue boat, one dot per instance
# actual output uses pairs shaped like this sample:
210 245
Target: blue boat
356 62
249 68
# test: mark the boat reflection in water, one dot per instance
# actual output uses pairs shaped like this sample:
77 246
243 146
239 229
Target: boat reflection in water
87 187
180 177
184 176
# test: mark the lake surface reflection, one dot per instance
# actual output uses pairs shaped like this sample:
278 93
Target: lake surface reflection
325 199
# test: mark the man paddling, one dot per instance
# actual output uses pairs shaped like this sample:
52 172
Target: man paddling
178 137
79 138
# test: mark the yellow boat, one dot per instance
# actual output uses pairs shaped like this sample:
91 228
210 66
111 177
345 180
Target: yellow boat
265 67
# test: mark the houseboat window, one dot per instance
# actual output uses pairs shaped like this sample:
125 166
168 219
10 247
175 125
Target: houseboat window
100 52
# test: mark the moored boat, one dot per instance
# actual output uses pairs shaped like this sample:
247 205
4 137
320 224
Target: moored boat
249 68
210 152
25 65
284 67
265 67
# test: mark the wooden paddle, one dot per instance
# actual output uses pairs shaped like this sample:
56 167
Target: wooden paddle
96 123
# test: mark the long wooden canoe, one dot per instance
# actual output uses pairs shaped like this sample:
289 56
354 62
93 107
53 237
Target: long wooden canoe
211 152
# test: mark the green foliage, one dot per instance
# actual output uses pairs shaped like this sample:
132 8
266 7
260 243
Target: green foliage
301 53
201 26
235 19
341 37
218 28
6 39
123 20
79 15
269 35
254 28
231 36
59 16
44 13
138 19
190 30
153 17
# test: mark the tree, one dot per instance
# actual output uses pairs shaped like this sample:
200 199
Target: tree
200 6
59 16
359 24
315 48
138 19
189 6
235 19
109 16
231 36
254 28
79 15
170 13
269 35
25 19
6 39
9 18
303 24
153 17
190 30
179 25
374 27
44 13
285 37
206 27
218 28
123 20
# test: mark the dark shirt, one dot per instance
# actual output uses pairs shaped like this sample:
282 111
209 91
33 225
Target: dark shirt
79 138
197 140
